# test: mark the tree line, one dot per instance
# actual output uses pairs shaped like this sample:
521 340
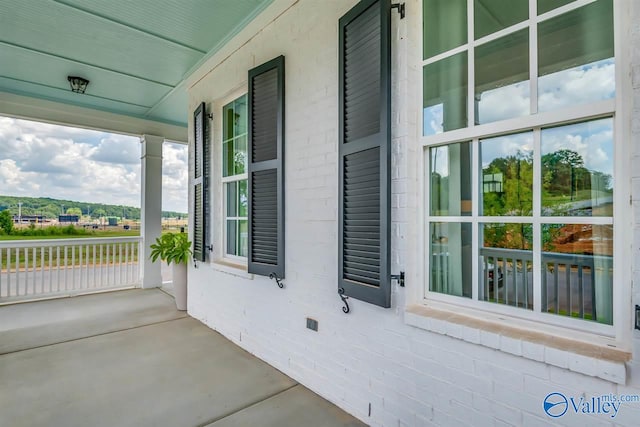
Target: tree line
51 208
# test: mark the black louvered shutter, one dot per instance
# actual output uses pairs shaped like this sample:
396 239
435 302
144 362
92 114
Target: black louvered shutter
266 168
199 184
365 152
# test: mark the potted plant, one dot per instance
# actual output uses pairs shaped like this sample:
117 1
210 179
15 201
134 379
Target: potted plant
174 248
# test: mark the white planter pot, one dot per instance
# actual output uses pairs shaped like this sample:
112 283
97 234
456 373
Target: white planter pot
180 285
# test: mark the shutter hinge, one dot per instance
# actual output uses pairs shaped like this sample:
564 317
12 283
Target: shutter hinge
210 247
399 278
400 7
210 116
344 299
273 276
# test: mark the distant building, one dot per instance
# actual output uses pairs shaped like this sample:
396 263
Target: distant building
68 219
31 219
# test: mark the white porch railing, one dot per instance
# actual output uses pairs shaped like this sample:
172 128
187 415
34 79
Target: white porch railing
46 268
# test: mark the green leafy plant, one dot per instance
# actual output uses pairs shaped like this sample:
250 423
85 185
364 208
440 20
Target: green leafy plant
6 222
171 247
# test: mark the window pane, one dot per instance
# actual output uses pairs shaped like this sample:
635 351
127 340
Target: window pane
232 199
494 15
240 119
502 78
227 121
577 169
575 58
240 155
547 5
450 167
232 231
445 95
445 25
450 251
506 264
243 238
577 271
507 174
227 158
242 199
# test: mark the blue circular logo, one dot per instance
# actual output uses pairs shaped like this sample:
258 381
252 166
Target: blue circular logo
555 405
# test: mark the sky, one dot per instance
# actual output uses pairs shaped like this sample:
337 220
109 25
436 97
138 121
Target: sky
573 86
45 160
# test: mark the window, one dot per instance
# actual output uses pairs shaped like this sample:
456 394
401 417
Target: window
234 177
519 203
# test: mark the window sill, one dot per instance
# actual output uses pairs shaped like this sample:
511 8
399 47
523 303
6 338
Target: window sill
229 267
521 338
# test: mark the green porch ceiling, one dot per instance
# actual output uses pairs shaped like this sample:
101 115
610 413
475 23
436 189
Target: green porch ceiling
136 54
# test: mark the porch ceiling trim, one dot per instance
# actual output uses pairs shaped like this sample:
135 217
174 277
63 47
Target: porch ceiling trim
24 107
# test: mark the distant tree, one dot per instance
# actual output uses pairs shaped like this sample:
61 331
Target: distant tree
516 197
99 213
6 222
74 211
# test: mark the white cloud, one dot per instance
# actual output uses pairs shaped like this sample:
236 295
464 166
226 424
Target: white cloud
504 102
591 82
175 177
593 141
43 160
117 149
507 145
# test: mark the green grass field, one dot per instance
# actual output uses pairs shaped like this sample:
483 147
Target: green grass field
90 234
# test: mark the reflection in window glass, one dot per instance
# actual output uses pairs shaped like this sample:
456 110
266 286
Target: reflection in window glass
577 271
547 5
234 168
232 199
507 175
577 169
445 95
575 58
243 199
495 15
502 78
506 264
450 167
450 251
444 25
234 133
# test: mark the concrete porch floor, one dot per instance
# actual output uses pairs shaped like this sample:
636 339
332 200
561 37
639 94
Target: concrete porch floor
129 358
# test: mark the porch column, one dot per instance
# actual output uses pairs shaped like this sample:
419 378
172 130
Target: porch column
151 213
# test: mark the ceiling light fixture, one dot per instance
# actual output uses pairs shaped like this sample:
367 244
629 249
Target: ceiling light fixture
78 84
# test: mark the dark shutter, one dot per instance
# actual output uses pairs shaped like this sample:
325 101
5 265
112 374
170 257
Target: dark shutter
200 172
365 152
266 168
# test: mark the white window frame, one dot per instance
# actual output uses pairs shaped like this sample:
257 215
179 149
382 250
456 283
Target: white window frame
224 180
619 108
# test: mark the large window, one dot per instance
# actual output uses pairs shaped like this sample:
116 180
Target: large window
519 206
234 177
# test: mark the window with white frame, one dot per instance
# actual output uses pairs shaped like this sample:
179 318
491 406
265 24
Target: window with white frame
519 140
234 177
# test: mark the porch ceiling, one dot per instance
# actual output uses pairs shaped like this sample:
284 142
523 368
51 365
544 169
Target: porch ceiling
136 55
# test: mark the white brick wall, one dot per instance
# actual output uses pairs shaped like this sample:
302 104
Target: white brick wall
409 376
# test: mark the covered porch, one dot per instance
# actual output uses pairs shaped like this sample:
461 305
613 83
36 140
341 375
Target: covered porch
129 358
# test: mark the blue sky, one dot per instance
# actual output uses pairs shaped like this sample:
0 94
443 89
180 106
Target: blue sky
44 160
